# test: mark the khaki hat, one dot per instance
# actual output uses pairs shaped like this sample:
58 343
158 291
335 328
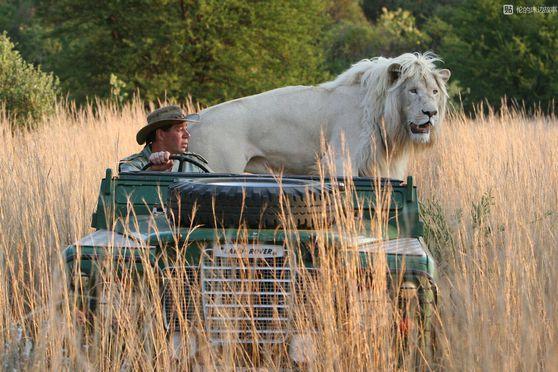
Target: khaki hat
162 117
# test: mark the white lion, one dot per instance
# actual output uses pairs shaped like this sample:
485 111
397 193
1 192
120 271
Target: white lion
372 116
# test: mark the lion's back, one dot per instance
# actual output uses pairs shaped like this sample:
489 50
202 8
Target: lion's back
274 110
262 105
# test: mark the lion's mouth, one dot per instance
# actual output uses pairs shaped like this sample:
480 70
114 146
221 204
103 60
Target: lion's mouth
421 128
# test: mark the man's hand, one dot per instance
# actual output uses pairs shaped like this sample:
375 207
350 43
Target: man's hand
160 161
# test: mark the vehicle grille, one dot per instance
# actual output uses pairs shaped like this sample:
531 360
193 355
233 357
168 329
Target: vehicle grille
181 292
246 300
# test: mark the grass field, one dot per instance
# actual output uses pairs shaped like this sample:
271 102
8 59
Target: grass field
489 192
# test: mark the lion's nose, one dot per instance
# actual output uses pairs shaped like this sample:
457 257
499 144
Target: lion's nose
430 113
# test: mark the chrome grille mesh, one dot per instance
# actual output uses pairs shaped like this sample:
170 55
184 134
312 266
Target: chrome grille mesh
240 300
180 296
246 300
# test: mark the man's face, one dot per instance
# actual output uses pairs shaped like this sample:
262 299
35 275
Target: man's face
175 140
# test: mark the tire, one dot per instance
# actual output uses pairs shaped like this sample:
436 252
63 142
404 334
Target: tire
252 201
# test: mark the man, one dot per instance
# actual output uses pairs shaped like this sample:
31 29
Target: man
165 134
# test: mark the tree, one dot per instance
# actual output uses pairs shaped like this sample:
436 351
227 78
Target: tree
393 33
492 55
26 93
18 19
422 10
210 49
346 11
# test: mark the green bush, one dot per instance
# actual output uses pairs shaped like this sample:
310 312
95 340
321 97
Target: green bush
26 92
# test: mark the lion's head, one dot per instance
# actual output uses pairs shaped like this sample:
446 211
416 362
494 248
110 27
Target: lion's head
415 98
403 102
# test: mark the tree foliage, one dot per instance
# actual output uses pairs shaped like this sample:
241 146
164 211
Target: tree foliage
394 33
216 50
210 49
421 10
26 92
18 19
492 55
346 10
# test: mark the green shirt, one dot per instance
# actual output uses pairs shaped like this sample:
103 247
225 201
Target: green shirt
136 162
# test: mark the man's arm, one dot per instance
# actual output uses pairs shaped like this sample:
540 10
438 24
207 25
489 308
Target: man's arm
131 165
160 162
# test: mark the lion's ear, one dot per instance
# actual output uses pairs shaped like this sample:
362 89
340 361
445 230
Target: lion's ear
444 74
394 72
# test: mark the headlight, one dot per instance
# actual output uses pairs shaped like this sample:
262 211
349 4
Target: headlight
408 291
84 281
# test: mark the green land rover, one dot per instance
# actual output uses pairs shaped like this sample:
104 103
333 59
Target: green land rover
233 255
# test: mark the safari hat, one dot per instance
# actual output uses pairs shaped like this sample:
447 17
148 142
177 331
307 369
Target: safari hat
162 117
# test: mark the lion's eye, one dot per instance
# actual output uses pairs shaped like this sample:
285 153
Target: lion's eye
435 91
414 91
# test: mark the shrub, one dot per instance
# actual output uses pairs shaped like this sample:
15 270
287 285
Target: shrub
26 93
438 232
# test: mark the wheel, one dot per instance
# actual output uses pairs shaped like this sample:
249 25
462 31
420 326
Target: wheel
416 325
257 202
410 327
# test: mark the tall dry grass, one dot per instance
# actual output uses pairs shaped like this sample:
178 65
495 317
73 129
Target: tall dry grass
490 203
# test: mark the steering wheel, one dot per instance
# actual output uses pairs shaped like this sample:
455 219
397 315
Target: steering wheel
183 159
